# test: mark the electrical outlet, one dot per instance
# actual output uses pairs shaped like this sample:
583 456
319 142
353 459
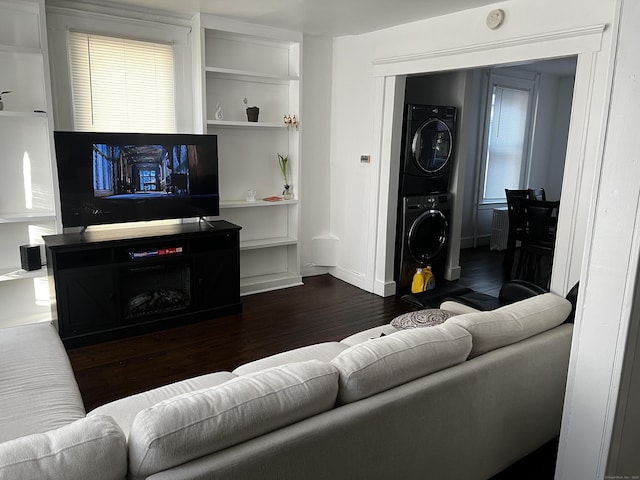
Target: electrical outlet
365 158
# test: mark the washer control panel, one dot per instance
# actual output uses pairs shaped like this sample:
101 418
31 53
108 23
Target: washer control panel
436 201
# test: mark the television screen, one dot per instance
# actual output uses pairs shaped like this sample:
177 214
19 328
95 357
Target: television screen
126 177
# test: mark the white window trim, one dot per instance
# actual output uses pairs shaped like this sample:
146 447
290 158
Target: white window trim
60 20
522 81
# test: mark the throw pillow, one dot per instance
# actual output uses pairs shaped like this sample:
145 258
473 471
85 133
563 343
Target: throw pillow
421 318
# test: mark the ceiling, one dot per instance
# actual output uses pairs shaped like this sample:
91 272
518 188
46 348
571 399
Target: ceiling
315 17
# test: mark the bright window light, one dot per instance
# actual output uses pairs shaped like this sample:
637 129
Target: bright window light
26 178
121 85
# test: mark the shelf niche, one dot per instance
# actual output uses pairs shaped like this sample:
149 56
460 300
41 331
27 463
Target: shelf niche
261 64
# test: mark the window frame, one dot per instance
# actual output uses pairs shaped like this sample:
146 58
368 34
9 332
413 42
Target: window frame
110 22
526 82
83 42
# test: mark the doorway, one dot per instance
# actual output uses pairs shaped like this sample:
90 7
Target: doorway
542 158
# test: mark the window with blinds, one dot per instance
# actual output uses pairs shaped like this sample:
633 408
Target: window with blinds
507 133
121 85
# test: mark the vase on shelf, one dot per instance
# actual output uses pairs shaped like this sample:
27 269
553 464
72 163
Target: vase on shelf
218 115
1 102
252 114
283 160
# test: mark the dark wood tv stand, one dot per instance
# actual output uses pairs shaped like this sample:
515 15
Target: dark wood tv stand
114 283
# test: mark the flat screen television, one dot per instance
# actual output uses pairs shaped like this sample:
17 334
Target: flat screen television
127 177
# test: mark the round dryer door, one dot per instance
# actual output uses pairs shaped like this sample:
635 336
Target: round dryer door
427 236
432 145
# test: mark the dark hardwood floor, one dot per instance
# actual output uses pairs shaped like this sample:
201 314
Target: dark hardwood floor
324 309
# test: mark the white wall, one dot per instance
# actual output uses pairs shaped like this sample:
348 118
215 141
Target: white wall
550 135
365 71
354 185
558 142
471 135
317 55
405 45
609 285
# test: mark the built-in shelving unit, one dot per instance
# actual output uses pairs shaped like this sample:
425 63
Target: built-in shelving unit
261 64
27 192
242 124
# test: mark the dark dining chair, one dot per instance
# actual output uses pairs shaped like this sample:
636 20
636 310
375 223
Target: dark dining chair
538 241
517 226
537 194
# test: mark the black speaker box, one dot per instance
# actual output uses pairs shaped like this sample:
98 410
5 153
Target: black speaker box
30 257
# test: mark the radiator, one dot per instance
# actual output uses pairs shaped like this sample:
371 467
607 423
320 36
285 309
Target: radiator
499 229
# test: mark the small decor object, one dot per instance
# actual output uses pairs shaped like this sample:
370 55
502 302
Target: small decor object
251 196
1 103
218 115
252 112
423 280
422 318
291 121
287 194
273 198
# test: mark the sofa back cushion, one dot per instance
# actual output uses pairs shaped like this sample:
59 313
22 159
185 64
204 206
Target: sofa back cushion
513 323
89 448
124 410
386 362
198 423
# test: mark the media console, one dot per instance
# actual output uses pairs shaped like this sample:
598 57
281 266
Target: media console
114 283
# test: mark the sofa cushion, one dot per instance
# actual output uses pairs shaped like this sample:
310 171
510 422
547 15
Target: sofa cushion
369 334
124 410
386 362
195 424
429 317
89 448
324 352
513 323
38 391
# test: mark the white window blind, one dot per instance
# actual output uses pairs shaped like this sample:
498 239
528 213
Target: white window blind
506 141
121 85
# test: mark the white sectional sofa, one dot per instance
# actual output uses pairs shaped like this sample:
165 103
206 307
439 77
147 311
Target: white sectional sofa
460 400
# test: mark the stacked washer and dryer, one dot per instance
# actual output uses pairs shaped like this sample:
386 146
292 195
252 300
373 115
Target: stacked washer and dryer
424 204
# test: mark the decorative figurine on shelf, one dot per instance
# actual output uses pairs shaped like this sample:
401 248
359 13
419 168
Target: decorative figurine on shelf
290 121
252 112
287 194
218 115
3 93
